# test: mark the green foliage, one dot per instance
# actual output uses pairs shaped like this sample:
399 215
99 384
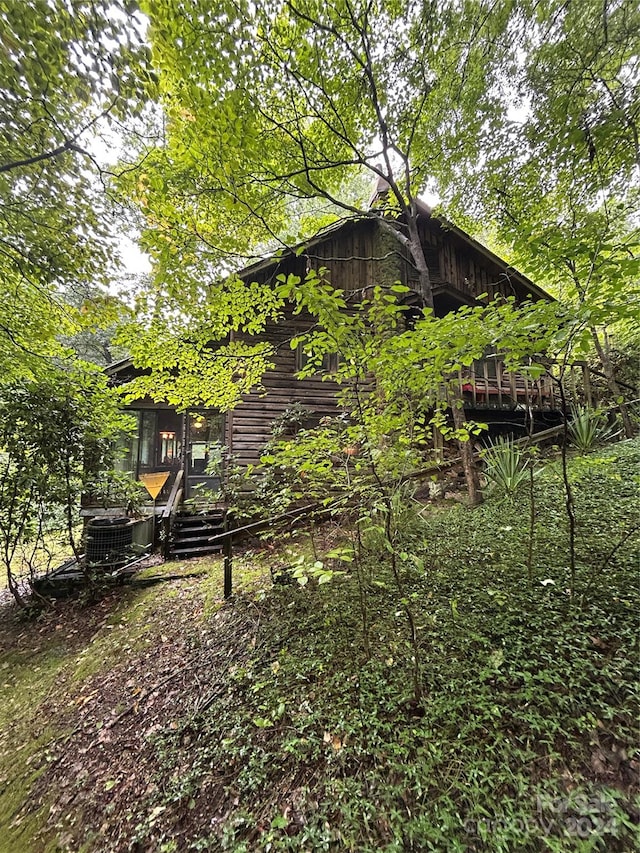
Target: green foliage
303 570
245 166
312 465
276 730
393 388
531 699
506 465
109 487
393 385
588 428
55 434
291 420
558 174
184 338
239 161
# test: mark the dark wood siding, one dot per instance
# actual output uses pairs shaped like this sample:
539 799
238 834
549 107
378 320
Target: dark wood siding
249 424
350 256
356 256
455 262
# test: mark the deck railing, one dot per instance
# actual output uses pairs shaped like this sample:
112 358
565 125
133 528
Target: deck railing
486 384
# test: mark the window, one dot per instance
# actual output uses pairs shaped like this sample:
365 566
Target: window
329 361
155 445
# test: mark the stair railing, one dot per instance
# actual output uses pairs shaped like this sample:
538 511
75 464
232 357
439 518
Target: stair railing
169 512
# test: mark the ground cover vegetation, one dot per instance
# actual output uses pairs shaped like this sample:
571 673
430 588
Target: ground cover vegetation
283 720
428 680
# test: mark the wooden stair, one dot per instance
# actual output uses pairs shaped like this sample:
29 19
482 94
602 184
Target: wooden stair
191 533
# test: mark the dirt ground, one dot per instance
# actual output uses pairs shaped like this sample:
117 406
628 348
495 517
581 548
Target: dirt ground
74 748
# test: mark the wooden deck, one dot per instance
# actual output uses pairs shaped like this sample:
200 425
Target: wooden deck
487 385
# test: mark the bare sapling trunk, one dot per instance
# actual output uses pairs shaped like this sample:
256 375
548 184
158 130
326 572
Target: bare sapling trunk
69 516
612 384
568 491
13 533
14 588
532 519
358 550
390 537
471 475
466 451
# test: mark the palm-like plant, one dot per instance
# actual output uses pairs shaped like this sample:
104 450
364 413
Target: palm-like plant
506 464
588 427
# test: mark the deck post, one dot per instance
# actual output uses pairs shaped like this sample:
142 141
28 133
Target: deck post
586 379
438 445
166 534
228 566
513 389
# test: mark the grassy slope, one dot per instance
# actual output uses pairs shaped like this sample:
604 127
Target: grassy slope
263 726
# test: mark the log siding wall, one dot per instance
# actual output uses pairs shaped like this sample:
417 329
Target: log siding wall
249 424
356 256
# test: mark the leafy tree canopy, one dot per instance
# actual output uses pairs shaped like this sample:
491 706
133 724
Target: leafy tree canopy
560 177
525 114
277 102
556 168
70 73
278 116
518 109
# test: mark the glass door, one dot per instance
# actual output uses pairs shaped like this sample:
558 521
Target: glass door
204 457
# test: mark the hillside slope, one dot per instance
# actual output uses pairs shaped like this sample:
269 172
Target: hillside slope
162 719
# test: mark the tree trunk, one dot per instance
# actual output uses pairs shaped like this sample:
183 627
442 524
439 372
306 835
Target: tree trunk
413 245
419 260
612 385
14 588
466 452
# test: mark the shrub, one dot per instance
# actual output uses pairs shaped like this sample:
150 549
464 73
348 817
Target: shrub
506 465
588 428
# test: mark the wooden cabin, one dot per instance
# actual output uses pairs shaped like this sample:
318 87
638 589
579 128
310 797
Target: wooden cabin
357 253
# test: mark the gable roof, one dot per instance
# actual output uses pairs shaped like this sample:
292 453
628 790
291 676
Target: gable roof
425 211
336 228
